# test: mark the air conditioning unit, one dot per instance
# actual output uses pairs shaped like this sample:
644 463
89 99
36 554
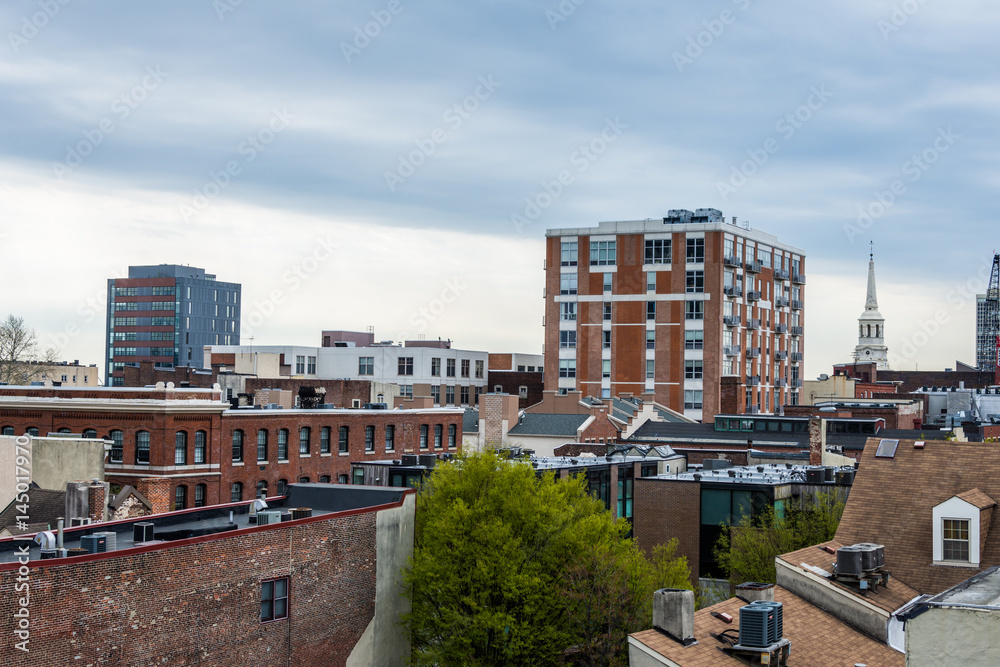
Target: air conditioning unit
268 517
95 543
79 521
143 532
757 626
778 626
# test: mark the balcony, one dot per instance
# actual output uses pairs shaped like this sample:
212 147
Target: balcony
795 331
780 301
753 325
731 350
753 295
796 382
753 267
732 291
733 262
796 304
799 278
781 274
753 352
796 356
752 410
780 328
753 380
780 355
781 382
730 320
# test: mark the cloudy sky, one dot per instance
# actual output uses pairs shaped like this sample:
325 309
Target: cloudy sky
357 164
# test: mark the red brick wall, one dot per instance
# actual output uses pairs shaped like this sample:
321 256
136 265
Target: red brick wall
339 392
512 381
199 603
665 509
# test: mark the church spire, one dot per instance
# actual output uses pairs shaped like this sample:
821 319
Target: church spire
871 325
871 302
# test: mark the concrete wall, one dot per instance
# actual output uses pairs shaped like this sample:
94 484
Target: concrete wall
639 655
952 636
52 463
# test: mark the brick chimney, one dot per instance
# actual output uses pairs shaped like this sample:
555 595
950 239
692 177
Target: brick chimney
729 399
97 501
752 592
817 440
157 492
673 614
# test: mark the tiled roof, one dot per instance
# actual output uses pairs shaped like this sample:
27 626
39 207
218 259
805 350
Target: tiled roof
817 638
44 506
541 423
892 502
888 599
977 498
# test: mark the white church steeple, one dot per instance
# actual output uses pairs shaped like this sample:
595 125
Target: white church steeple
871 326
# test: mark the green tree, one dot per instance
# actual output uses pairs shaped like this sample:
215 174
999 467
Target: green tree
746 551
510 568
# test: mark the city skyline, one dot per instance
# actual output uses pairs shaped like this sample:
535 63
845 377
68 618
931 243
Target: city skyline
396 166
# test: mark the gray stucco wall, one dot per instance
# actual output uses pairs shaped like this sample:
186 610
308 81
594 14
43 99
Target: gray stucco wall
953 636
53 462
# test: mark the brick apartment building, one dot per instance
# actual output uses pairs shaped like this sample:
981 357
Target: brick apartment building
517 374
665 309
210 587
201 452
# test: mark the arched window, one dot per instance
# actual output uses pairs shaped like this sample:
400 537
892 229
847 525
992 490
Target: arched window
262 488
63 430
437 435
7 430
199 447
324 479
236 492
303 480
180 448
142 447
117 446
238 447
283 444
282 486
262 445
305 433
180 497
32 431
324 440
89 433
199 495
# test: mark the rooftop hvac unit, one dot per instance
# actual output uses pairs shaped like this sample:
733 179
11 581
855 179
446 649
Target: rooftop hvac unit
845 477
757 626
302 512
815 476
143 531
96 543
850 561
268 517
779 616
79 521
409 459
828 474
428 460
872 556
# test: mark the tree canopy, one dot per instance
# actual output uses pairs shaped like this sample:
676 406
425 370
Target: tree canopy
513 568
20 360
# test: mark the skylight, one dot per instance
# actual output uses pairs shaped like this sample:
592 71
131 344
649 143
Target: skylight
887 449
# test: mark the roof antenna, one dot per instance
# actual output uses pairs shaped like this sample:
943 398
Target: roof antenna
871 254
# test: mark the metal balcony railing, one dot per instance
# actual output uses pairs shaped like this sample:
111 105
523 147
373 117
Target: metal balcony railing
731 350
780 301
754 267
732 261
753 295
796 356
781 328
730 320
796 304
795 331
780 274
780 355
799 278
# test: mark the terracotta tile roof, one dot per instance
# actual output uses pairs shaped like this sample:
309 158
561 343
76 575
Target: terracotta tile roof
977 498
817 637
889 599
892 502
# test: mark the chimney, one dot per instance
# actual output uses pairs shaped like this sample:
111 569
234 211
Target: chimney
673 614
752 592
817 440
157 492
97 501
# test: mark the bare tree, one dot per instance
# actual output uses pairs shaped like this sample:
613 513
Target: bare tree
20 361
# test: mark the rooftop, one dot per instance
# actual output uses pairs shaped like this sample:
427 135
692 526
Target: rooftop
770 474
540 423
981 591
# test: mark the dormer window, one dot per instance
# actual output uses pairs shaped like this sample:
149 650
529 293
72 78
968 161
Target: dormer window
956 540
959 528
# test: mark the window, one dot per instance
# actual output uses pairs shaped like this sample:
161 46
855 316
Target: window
405 365
602 253
567 339
282 487
567 368
625 491
449 395
651 282
262 445
464 395
436 394
695 281
237 445
390 437
479 368
607 311
142 447
117 445
607 281
305 435
692 399
199 495
180 448
274 600
650 369
282 444
87 433
199 446
650 339
568 253
344 445
693 369
324 479
694 310
696 250
694 339
369 438
359 475
300 364
465 368
605 340
423 436
657 251
7 430
236 492
342 479
436 366
366 365
449 367
567 283
650 310
567 311
324 440
406 390
956 539
180 497
438 431
606 368
452 436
